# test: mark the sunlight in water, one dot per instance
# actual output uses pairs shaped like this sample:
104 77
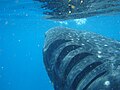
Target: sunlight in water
80 21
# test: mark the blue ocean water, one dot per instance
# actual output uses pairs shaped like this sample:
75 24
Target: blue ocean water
22 29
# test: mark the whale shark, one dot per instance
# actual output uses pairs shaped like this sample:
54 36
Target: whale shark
81 60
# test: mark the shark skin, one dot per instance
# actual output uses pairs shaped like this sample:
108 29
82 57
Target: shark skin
81 60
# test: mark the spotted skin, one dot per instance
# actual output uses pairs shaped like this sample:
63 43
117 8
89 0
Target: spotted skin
81 60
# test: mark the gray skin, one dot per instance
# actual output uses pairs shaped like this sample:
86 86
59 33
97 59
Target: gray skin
81 60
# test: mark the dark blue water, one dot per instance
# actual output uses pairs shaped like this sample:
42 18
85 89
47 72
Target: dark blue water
22 38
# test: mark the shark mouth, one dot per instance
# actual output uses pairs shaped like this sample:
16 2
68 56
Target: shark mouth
81 60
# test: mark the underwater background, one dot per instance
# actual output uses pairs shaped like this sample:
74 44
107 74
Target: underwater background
22 30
